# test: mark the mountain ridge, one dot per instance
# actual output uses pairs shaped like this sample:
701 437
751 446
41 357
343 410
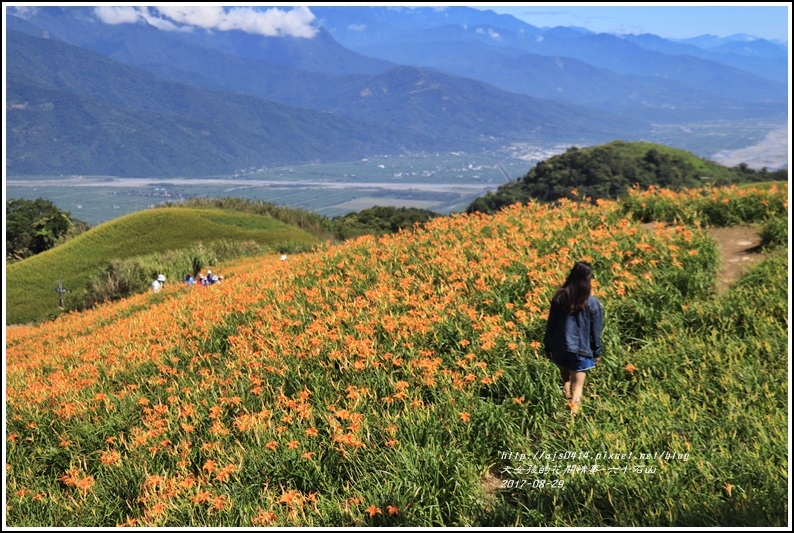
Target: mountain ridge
491 87
248 130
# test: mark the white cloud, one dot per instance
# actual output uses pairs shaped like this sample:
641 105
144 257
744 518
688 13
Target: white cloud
357 27
118 15
23 12
131 15
274 22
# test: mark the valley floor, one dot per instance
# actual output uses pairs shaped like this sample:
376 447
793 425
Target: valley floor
772 152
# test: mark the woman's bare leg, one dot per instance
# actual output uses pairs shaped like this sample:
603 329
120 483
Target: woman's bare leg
565 375
577 386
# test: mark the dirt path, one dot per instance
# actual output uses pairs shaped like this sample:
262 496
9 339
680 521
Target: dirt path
739 248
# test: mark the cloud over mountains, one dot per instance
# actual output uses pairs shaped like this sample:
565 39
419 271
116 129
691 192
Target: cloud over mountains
273 22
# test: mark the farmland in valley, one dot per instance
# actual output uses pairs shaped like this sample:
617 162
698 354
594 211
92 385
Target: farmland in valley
442 183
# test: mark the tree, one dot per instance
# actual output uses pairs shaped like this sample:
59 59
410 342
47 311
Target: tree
33 226
380 220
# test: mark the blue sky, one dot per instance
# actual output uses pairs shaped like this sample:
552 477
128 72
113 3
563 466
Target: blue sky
676 20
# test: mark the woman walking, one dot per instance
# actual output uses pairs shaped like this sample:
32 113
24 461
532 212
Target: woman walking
573 331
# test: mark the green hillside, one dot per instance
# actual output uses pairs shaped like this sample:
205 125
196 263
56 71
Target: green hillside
608 170
31 283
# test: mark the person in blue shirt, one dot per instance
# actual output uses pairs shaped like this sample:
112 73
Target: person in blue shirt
573 331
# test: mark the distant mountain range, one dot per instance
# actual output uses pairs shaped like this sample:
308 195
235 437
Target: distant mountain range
134 99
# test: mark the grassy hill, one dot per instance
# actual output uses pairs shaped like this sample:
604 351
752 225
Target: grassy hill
609 170
401 381
30 284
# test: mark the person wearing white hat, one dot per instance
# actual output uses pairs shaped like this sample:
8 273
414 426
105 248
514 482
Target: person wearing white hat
158 283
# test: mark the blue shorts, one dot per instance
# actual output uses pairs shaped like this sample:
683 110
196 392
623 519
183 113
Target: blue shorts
573 362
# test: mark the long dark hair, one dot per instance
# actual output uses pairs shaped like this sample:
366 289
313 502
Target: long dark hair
573 295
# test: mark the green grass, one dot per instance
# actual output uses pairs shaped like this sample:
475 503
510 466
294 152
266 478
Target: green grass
31 283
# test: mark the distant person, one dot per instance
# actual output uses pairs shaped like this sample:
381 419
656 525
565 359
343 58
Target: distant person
211 278
189 279
159 283
573 332
283 257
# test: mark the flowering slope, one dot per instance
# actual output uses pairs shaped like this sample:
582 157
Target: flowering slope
374 382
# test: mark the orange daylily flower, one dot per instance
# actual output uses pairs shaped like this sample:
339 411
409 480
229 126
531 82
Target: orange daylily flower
264 518
290 497
110 458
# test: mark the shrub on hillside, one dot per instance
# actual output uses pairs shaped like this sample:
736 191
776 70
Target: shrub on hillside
380 220
34 226
774 233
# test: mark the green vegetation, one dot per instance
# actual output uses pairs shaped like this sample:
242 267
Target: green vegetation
774 233
122 278
93 257
33 226
318 225
607 171
380 221
713 206
399 381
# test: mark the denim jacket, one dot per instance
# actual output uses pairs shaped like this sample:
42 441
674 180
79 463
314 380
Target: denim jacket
578 332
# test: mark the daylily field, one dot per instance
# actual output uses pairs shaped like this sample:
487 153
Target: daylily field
401 381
